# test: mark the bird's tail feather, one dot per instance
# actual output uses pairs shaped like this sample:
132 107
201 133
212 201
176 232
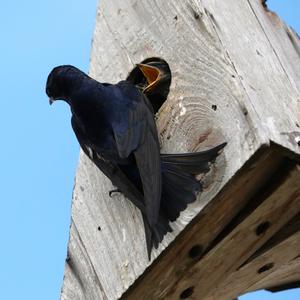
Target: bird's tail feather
179 188
155 234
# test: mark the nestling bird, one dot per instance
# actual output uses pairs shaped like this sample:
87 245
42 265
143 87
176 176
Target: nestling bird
115 127
153 77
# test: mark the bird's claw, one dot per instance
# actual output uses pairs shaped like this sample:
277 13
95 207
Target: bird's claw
113 191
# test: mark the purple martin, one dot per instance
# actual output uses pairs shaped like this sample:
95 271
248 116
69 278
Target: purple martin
115 127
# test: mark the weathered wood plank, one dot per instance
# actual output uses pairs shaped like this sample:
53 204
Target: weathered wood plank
80 280
191 245
283 40
272 261
292 227
287 273
227 256
258 60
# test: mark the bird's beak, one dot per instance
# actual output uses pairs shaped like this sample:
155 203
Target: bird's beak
51 100
152 75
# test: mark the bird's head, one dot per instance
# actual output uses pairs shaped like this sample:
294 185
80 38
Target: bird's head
62 81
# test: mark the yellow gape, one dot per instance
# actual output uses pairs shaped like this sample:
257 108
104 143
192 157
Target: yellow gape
152 74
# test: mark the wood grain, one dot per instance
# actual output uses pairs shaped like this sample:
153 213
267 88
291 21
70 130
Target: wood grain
228 255
169 270
272 261
247 34
276 266
287 273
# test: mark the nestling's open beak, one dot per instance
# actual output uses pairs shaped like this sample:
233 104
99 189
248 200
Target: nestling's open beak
51 100
152 74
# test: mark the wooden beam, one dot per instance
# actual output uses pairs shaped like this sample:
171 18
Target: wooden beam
277 209
193 242
254 273
286 274
292 227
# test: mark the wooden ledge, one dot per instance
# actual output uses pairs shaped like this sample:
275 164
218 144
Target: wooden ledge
259 200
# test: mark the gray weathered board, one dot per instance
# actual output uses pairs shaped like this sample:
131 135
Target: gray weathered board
235 78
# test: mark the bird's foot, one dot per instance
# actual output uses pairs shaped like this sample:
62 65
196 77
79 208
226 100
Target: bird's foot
113 191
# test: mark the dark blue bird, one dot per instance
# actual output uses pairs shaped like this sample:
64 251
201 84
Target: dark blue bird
115 127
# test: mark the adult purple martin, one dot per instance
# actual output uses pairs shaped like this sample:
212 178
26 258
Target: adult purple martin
115 127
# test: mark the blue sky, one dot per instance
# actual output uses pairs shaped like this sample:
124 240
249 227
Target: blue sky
39 152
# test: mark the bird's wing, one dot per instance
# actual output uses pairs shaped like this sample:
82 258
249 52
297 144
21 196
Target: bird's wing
136 133
111 170
147 158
